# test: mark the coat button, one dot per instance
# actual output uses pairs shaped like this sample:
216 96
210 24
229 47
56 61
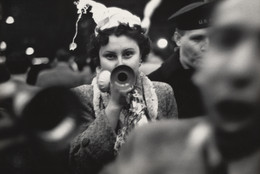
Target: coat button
85 142
76 149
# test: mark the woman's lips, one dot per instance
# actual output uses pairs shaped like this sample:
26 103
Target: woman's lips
236 111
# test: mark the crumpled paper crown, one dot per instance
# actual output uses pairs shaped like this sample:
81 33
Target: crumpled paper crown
104 17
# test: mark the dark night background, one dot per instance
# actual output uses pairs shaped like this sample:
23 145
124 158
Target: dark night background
47 25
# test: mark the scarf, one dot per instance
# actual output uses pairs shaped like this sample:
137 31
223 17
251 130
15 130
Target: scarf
141 108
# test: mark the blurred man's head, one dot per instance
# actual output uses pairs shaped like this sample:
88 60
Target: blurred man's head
230 74
191 34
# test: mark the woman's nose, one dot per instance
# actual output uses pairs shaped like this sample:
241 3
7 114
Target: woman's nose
120 61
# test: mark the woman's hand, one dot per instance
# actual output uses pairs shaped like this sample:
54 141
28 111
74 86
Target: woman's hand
118 95
118 99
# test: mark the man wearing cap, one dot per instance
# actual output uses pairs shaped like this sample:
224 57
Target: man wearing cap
191 37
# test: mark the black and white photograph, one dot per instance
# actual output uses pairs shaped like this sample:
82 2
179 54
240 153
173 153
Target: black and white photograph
129 87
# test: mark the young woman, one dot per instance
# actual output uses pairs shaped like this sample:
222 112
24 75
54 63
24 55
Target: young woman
110 116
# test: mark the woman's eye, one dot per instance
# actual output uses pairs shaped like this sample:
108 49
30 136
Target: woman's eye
128 54
110 56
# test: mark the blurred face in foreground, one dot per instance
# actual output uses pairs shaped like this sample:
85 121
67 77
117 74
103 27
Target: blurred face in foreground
230 74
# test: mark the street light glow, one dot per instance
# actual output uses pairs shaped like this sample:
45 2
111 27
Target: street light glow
9 20
29 51
3 46
162 43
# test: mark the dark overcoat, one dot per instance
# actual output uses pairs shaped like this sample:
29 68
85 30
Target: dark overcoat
187 95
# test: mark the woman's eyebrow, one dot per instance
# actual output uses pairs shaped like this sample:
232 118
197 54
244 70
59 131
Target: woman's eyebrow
110 52
129 49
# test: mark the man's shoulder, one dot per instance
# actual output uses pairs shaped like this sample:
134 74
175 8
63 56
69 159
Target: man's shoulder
181 125
166 131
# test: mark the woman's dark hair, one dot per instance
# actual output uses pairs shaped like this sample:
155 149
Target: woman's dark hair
136 33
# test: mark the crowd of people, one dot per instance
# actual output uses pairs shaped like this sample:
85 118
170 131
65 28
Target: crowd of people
198 113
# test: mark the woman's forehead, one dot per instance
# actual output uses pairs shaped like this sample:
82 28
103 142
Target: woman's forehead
120 42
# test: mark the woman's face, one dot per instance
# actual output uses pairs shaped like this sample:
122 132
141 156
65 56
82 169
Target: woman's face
120 50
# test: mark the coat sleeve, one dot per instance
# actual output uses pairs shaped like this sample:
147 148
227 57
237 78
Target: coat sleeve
94 146
167 106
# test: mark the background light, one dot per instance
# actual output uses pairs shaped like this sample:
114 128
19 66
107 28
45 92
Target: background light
162 43
3 46
29 51
2 59
9 20
40 60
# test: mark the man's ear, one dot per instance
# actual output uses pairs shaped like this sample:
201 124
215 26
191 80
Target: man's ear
177 38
